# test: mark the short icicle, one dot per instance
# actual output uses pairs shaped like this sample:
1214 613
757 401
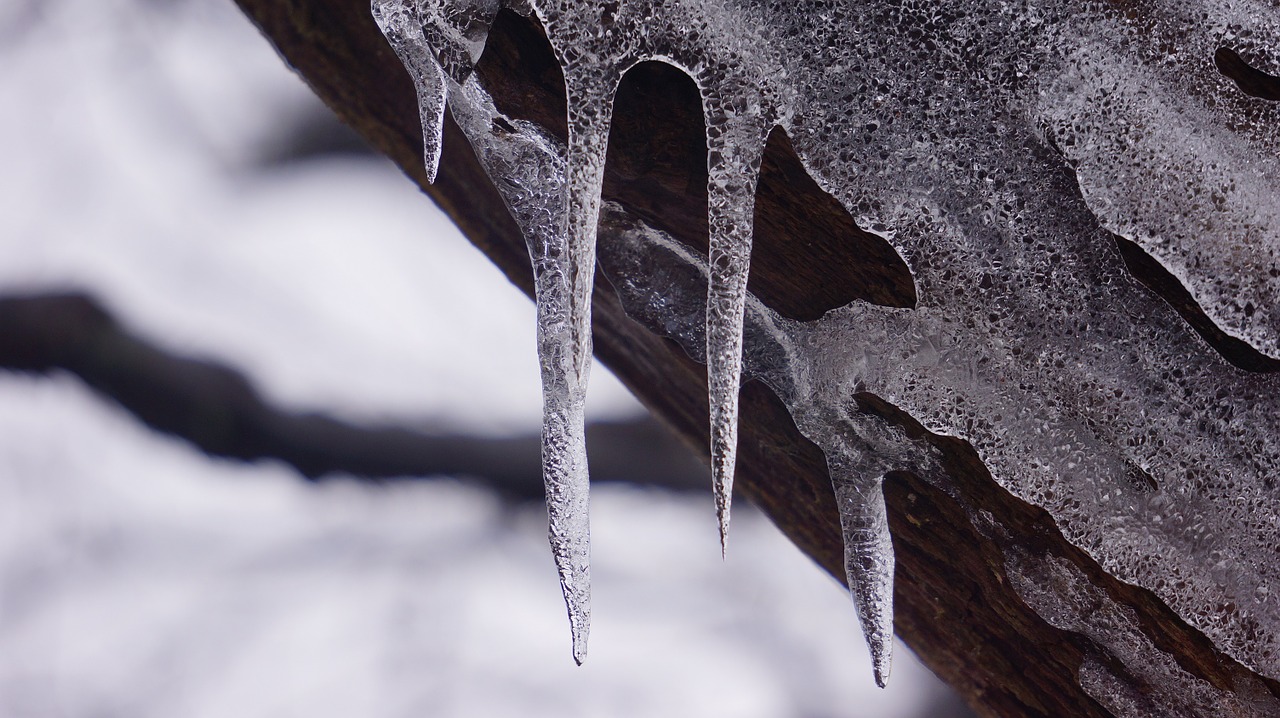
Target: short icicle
565 347
400 22
734 150
868 556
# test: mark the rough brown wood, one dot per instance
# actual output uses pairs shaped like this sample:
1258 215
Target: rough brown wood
954 604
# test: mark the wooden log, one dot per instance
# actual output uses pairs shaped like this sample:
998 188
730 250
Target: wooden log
955 605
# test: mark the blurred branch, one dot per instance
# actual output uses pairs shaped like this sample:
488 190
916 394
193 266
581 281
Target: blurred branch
216 409
19 19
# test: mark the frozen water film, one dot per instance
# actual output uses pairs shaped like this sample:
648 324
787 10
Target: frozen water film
1008 152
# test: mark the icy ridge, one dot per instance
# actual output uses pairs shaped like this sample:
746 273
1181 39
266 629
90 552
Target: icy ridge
946 128
1062 595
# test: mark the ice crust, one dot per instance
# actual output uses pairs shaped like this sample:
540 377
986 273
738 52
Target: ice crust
1064 597
997 146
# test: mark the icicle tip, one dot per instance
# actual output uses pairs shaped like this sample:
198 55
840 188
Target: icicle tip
722 463
724 533
881 669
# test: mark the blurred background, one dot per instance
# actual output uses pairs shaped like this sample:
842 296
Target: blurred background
268 431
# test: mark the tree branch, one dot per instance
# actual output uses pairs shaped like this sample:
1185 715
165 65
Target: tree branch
954 601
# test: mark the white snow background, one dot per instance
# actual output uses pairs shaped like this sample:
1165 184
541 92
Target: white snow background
140 578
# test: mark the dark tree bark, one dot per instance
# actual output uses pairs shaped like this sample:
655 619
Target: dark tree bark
954 603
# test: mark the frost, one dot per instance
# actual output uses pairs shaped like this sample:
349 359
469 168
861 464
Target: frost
1000 148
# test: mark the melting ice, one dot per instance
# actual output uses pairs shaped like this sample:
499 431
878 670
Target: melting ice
1000 147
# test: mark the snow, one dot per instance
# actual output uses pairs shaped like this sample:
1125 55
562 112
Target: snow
137 576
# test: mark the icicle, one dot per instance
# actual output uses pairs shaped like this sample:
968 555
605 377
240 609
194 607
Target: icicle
564 460
734 149
528 169
564 345
399 22
868 556
564 472
954 361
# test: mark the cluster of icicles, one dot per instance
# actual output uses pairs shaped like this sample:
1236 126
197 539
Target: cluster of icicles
440 44
1001 148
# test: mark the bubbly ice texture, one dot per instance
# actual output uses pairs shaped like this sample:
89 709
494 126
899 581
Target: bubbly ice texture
528 168
400 23
663 284
448 38
1062 595
529 171
596 43
999 147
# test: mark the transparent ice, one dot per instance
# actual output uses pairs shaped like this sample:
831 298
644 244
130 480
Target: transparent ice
400 23
1000 148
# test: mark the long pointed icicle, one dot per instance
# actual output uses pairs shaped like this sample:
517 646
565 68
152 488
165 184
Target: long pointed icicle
868 557
564 472
400 23
734 151
564 306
